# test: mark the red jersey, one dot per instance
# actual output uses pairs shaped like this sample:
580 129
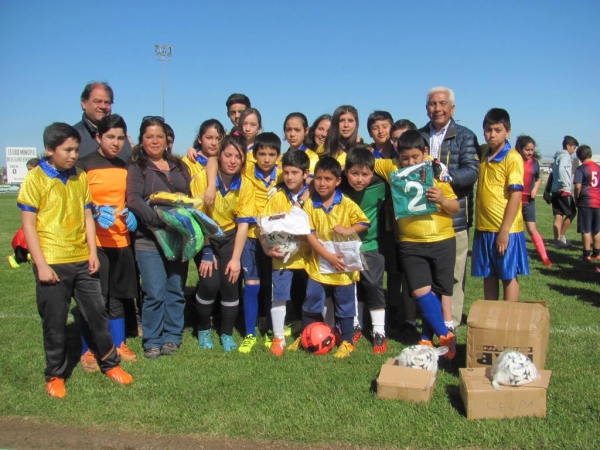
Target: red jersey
587 175
530 177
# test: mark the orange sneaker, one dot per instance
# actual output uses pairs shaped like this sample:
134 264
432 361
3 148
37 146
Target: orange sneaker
126 354
278 346
448 341
119 375
89 363
56 387
425 342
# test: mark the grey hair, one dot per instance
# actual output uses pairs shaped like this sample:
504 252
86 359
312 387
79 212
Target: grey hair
444 89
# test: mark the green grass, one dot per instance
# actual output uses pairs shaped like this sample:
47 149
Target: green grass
306 399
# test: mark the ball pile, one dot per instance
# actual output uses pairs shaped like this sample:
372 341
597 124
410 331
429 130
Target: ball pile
421 357
513 369
288 243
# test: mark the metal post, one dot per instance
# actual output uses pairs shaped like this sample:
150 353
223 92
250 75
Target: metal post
164 53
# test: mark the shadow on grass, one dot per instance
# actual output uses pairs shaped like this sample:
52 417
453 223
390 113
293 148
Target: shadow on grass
453 393
585 295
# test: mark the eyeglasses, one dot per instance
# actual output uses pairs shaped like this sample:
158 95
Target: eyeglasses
162 119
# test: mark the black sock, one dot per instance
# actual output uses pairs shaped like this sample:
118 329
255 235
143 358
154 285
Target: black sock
229 313
204 312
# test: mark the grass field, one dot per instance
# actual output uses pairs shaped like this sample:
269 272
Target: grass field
306 399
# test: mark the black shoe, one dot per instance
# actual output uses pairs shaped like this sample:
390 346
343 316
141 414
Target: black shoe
169 348
152 353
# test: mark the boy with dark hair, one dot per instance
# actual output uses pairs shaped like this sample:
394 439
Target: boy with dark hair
61 235
236 103
380 124
296 166
264 175
369 192
107 177
329 211
427 239
587 197
499 249
563 205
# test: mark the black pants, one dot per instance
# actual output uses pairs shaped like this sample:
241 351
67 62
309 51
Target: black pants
53 302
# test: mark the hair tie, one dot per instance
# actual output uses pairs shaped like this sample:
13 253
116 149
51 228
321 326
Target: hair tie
235 133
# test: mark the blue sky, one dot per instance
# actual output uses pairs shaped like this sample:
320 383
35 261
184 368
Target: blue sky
537 59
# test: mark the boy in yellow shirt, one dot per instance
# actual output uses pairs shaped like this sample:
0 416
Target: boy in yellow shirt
330 211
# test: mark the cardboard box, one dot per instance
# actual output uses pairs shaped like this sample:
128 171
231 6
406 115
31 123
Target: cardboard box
495 326
403 383
482 401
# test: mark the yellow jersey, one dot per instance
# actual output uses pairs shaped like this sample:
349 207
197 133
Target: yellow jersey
59 199
342 211
262 188
430 227
497 178
230 206
195 167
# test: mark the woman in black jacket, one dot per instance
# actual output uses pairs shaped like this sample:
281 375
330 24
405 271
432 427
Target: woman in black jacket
155 169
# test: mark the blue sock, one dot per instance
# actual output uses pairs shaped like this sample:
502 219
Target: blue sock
347 326
426 331
251 307
431 306
117 331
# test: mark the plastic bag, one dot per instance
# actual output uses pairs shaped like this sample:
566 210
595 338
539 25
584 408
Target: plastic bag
346 246
408 186
184 222
170 243
513 369
283 230
421 357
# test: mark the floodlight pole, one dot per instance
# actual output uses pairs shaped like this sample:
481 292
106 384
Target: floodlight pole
164 53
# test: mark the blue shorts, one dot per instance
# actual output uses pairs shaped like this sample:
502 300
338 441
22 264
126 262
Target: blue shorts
588 220
344 298
487 263
254 261
282 285
529 211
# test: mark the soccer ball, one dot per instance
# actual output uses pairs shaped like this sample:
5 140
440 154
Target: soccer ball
317 338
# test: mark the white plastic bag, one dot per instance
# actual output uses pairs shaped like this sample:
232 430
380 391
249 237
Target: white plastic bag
348 247
513 369
283 230
421 357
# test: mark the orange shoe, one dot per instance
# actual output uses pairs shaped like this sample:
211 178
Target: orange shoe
357 334
119 375
546 262
278 346
448 341
56 387
89 363
126 354
426 342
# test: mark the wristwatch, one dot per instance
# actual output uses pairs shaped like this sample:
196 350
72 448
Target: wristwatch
300 202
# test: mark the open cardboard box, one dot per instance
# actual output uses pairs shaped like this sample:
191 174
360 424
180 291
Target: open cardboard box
403 383
495 326
482 401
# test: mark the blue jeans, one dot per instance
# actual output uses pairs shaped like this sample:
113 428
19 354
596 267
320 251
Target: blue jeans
163 300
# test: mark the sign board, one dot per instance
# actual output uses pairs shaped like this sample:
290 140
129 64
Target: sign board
16 162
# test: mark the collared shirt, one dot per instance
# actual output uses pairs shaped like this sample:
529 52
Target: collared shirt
435 140
59 199
498 177
342 211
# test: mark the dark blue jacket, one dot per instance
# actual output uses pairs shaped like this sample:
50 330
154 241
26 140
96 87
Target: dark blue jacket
459 153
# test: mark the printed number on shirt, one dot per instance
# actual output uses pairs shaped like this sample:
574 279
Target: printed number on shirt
594 182
412 204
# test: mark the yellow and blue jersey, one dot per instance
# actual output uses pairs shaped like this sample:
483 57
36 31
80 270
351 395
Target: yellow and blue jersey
431 227
282 202
498 177
342 211
230 206
261 187
195 167
59 199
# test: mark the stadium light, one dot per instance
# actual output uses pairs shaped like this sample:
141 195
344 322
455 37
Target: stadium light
164 53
